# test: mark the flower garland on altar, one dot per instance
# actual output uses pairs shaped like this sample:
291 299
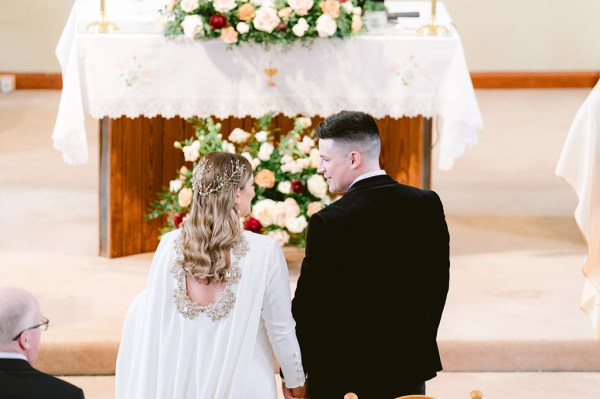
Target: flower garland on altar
262 21
288 188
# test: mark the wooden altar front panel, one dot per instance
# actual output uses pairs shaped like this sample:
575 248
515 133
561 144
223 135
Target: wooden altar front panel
137 159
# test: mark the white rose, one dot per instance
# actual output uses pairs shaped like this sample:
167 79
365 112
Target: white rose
261 136
292 167
301 7
266 19
315 158
291 208
317 186
228 147
253 161
306 144
326 26
348 7
357 11
263 211
257 3
305 121
286 158
224 5
300 28
285 211
297 225
192 25
284 187
265 151
238 135
189 5
281 236
242 27
191 152
303 162
175 185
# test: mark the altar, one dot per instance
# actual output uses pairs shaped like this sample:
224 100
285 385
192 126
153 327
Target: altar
142 86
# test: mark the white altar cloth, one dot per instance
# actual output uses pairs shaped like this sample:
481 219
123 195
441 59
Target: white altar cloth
579 165
138 72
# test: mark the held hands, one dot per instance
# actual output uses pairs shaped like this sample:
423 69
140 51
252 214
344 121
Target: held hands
294 393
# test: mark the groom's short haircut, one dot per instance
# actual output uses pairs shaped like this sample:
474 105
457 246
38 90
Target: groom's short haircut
352 129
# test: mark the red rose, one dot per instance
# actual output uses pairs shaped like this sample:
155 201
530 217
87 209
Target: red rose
253 225
297 187
178 219
217 21
282 27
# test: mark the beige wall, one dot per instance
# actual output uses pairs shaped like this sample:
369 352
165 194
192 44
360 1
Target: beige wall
507 35
521 35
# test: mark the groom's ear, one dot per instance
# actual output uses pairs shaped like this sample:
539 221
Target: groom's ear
355 159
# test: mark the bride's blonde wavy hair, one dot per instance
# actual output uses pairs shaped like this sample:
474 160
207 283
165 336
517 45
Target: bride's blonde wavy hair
213 224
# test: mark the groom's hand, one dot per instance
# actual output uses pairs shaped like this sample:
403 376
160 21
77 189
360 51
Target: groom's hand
287 393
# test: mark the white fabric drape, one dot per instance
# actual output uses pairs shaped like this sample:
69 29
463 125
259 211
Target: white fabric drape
164 355
579 165
139 72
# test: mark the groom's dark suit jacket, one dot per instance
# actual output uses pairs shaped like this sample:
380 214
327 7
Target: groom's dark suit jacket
18 380
371 291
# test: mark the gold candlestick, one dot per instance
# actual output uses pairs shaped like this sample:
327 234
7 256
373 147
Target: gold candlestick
102 26
433 28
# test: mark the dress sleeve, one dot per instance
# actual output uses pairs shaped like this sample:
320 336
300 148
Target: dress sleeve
279 322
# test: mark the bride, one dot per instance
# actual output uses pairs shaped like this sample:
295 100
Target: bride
217 304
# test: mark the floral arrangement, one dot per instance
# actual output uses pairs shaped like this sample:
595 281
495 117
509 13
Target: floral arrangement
262 21
288 188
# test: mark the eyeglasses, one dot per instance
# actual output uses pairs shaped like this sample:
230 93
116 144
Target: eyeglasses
43 326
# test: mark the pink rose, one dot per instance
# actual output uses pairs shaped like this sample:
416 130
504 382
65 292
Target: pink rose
189 5
229 35
224 5
266 19
301 7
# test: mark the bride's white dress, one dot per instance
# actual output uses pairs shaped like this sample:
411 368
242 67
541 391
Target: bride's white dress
166 355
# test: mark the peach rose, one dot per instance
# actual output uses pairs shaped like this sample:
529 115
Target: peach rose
313 208
285 13
229 35
183 173
185 197
265 178
246 12
356 23
331 8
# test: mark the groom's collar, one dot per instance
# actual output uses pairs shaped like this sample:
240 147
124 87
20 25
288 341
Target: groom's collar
373 181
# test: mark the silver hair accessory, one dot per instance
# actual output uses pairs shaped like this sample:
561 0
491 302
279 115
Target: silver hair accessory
229 176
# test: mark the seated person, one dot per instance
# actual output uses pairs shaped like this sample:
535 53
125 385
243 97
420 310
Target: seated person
21 325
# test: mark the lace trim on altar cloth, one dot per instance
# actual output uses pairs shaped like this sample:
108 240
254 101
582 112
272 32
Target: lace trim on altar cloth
256 107
223 306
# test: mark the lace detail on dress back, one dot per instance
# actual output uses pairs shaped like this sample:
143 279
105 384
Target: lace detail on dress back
223 306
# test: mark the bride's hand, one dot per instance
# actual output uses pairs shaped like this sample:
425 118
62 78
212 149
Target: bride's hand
299 392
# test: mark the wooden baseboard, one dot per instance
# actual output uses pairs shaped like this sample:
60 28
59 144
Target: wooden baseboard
538 80
36 81
481 80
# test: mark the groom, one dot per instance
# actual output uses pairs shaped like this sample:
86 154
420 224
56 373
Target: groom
375 276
